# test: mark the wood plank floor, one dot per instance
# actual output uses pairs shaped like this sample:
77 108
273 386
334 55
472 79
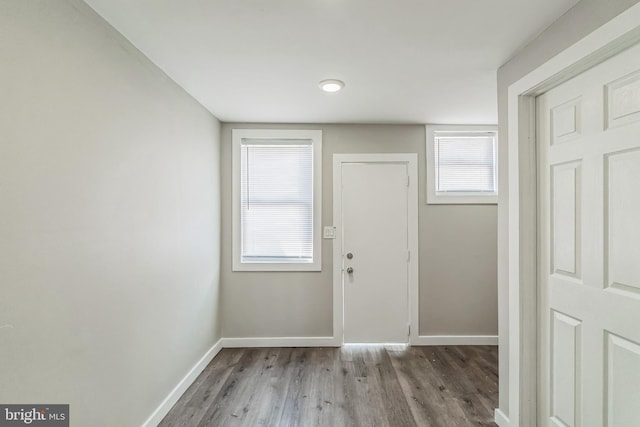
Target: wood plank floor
390 386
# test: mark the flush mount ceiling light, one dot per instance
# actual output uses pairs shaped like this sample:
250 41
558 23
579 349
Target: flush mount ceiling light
331 85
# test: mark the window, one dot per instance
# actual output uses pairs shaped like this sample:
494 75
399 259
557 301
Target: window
462 164
277 176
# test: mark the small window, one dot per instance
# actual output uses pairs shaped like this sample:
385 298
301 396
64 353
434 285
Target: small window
462 164
276 199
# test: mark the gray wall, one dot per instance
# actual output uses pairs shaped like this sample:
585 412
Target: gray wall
578 22
109 219
457 254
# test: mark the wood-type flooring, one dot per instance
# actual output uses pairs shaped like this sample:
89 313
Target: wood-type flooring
392 386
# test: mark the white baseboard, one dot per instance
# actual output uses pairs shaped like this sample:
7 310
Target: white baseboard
281 342
456 340
501 419
252 342
182 386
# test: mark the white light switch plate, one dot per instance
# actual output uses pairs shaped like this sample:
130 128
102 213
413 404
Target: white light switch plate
329 232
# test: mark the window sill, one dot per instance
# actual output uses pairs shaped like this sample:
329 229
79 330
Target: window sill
462 200
291 267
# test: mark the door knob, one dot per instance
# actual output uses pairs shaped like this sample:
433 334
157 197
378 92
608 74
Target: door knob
349 270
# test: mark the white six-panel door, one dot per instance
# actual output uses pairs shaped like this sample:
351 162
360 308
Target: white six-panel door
589 260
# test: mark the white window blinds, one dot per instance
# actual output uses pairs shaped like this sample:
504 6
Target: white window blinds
276 201
465 162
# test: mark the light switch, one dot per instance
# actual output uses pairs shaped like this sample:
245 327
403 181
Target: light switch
329 232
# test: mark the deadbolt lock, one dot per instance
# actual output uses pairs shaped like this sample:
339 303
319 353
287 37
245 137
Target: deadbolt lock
349 255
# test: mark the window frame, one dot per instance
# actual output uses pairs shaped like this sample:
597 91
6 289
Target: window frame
434 197
271 136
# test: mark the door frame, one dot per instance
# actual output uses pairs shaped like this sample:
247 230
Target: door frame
411 160
613 37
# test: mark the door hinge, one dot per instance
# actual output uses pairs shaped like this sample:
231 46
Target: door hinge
409 330
408 256
408 180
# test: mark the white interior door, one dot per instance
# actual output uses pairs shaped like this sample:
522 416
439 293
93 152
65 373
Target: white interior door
589 264
375 252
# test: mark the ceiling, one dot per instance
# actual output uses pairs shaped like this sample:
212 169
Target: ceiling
403 61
